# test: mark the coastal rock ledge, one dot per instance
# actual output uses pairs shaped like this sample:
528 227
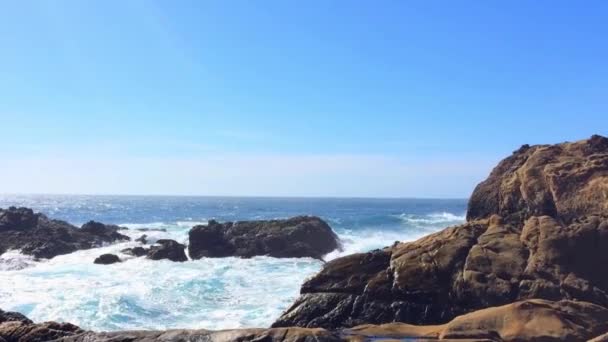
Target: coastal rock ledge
530 320
536 228
37 235
297 237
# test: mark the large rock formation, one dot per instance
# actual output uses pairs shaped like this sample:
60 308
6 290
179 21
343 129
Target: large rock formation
37 235
302 236
537 228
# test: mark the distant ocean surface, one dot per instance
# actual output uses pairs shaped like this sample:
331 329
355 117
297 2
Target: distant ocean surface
208 293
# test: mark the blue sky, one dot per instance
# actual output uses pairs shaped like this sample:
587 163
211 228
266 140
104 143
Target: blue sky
308 98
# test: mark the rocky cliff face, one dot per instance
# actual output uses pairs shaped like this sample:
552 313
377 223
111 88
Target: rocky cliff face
37 235
297 237
537 228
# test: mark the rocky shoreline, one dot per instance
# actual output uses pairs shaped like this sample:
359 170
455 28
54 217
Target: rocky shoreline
526 266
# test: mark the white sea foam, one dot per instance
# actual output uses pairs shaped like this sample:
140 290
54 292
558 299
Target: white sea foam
14 260
208 293
432 219
140 293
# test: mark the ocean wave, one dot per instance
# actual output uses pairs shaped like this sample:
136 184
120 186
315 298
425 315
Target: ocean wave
212 293
190 224
13 260
432 219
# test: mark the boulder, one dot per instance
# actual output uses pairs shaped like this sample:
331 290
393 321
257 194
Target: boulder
167 249
302 236
509 250
37 235
107 259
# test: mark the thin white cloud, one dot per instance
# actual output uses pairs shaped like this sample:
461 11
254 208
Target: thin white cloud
238 175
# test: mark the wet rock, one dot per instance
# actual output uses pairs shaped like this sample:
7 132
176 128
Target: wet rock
142 239
35 234
167 249
135 251
107 259
302 236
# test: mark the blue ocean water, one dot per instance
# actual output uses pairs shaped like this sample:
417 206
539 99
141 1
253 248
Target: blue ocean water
207 293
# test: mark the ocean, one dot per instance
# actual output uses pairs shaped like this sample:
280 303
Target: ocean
209 293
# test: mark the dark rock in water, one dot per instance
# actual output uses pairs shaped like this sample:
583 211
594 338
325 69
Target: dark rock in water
106 259
135 251
302 236
548 244
167 249
35 234
142 239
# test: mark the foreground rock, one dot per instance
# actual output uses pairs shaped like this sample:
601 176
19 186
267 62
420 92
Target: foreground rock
302 236
35 234
549 242
107 259
532 320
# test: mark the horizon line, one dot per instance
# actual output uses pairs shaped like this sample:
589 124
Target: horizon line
241 196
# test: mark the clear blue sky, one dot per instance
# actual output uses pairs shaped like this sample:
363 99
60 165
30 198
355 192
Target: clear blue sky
335 98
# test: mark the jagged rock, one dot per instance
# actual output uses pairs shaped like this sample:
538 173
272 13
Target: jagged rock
564 181
488 261
35 234
107 259
167 249
135 251
302 236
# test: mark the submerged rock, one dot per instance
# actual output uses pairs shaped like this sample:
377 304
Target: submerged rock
35 234
302 236
107 259
142 239
167 249
548 243
135 251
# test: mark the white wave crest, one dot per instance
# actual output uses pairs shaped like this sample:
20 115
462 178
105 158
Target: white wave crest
432 219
